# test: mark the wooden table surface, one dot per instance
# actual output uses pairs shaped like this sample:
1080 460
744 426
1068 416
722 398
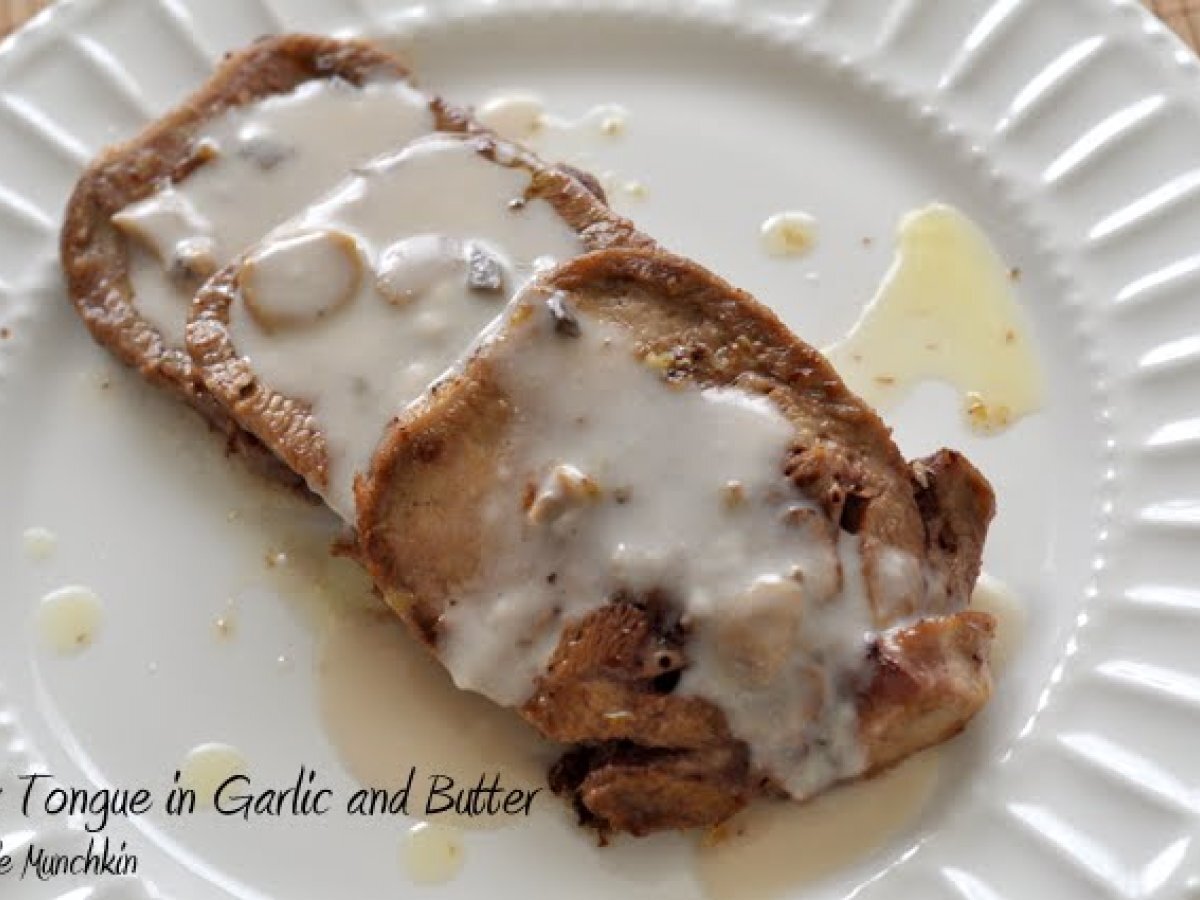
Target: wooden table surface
1182 15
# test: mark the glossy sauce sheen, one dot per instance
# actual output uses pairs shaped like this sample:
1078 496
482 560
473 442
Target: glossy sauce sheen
439 248
946 311
601 491
271 157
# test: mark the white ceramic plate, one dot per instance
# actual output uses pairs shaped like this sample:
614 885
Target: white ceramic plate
1068 129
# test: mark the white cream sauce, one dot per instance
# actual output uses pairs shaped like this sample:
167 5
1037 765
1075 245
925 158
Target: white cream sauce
295 281
523 117
442 248
515 117
170 226
638 485
270 158
946 310
586 141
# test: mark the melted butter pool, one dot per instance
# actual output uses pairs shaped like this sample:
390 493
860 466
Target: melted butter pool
947 311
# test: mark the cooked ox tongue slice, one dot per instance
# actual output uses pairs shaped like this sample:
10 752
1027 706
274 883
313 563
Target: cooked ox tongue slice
150 219
682 697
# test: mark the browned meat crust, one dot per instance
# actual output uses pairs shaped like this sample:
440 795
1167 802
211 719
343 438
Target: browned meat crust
286 424
95 254
672 762
929 680
625 787
956 506
927 683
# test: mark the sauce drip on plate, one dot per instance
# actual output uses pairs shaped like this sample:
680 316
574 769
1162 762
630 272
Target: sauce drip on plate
69 617
39 543
432 853
773 849
946 311
388 706
585 142
789 234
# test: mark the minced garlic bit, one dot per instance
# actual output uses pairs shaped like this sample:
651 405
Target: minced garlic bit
660 362
564 489
789 234
193 259
566 323
986 418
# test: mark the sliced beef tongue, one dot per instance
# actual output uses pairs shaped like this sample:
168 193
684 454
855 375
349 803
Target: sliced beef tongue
645 753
